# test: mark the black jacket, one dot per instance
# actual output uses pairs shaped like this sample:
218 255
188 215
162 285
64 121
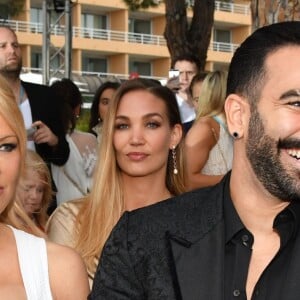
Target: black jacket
46 108
174 249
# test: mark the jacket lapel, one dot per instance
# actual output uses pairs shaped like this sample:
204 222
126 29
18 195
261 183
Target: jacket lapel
199 266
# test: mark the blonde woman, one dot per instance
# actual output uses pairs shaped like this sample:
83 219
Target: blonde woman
140 163
31 268
34 190
208 144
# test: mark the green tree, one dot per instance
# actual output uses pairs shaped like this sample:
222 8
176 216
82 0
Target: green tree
184 36
11 8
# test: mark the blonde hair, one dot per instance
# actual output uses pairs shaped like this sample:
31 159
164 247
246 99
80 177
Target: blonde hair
34 162
13 214
212 95
103 207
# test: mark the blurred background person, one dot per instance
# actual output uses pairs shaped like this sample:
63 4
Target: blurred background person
195 87
187 67
39 107
141 164
99 108
34 189
31 267
73 179
208 144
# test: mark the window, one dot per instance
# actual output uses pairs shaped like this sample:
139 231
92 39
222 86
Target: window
95 26
140 26
94 21
36 60
36 15
3 12
222 36
142 68
222 40
98 65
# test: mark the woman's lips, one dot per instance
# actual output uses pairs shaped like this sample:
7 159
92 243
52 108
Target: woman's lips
137 156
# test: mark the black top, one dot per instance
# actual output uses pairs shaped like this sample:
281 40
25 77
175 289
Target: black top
238 251
180 249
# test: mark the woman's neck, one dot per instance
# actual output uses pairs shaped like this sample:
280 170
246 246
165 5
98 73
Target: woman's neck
143 191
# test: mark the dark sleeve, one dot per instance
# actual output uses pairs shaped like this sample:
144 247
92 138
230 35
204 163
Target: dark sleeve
47 108
115 277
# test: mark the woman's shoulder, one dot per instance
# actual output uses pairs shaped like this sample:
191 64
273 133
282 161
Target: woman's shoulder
202 129
61 224
67 272
84 135
68 208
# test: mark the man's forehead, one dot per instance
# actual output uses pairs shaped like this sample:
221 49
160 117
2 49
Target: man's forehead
6 32
185 65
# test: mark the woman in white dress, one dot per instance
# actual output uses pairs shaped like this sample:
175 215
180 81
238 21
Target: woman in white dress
74 179
208 144
30 267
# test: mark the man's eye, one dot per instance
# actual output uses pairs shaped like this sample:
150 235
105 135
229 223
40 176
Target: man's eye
8 147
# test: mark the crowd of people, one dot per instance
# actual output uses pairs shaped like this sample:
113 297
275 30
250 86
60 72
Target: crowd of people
185 191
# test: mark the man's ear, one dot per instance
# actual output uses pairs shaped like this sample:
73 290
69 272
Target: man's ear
237 114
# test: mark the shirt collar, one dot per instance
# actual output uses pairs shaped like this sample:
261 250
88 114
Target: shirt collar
233 224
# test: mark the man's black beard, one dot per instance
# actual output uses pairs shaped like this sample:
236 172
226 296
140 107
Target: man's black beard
263 153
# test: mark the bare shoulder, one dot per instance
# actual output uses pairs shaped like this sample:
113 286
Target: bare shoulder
67 273
201 132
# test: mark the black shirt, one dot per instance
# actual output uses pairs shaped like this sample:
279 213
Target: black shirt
238 249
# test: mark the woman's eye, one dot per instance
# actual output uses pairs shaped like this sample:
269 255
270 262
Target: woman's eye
121 126
104 101
8 147
153 124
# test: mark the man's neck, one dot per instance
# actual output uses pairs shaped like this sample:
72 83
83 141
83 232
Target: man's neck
255 206
15 84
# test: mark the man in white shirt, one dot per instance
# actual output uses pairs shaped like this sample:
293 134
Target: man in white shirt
188 68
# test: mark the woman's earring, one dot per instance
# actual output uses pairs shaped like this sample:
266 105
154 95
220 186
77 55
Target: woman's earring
175 170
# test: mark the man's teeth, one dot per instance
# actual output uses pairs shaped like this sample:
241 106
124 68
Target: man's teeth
295 153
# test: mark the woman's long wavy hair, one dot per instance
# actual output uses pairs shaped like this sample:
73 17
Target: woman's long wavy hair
103 207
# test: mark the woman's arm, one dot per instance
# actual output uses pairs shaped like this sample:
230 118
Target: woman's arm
67 273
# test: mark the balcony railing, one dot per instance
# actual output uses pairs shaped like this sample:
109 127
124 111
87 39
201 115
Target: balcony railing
109 35
223 47
228 7
120 36
233 8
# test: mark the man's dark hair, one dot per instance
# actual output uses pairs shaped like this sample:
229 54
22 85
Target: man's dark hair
188 57
247 68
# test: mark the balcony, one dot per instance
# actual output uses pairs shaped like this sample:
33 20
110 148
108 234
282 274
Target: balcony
109 35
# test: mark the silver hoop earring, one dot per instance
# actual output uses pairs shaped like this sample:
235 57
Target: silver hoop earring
175 170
